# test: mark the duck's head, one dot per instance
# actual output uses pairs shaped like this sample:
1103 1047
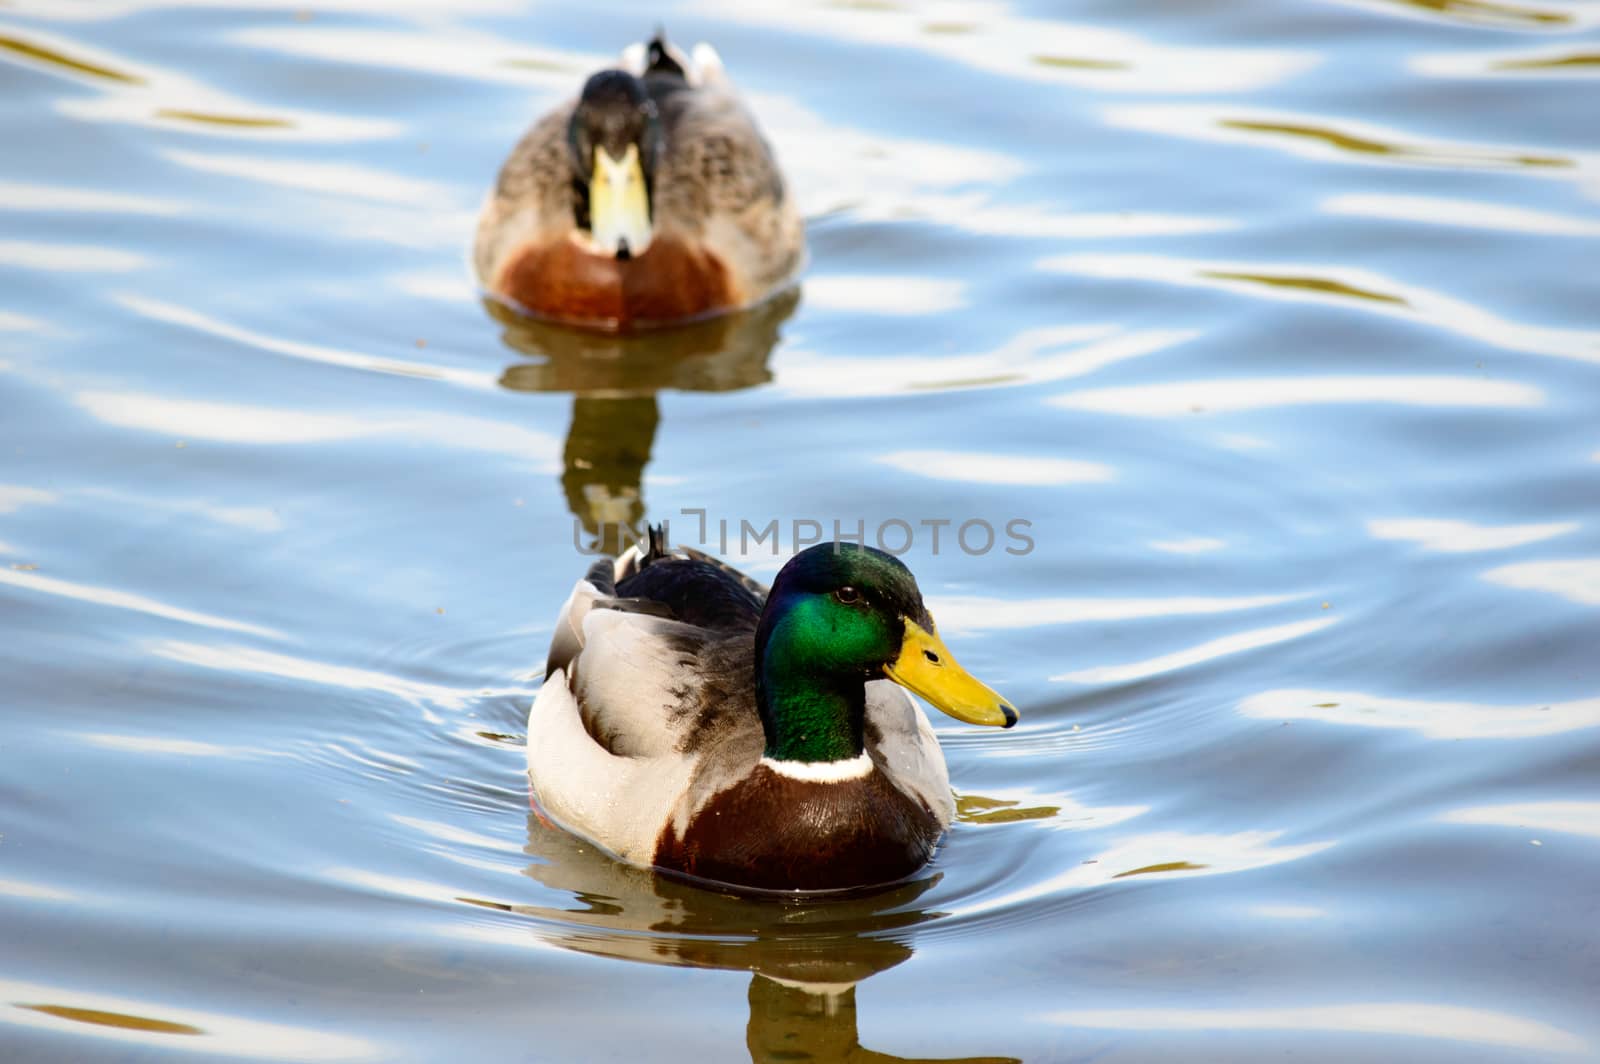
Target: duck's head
614 140
838 616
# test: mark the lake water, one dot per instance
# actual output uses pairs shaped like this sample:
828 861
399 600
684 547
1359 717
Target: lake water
1278 321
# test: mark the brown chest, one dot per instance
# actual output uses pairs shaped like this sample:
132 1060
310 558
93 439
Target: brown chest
779 833
671 281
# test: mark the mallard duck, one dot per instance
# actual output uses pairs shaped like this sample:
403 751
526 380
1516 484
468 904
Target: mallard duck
694 721
649 199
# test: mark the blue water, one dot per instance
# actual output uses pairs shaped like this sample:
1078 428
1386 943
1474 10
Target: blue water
1276 322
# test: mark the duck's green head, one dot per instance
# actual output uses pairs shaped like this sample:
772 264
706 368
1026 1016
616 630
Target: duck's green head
838 616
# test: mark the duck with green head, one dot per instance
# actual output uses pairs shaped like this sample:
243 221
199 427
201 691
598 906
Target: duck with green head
694 721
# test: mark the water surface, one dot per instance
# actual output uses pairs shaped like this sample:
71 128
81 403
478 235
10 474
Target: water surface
1277 321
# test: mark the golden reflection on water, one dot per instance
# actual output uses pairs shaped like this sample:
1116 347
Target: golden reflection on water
1164 866
1346 139
976 809
113 1019
1484 11
1543 63
1556 62
607 449
794 1022
1078 62
1350 289
146 1028
56 58
153 95
1007 42
614 381
1310 284
1350 142
231 121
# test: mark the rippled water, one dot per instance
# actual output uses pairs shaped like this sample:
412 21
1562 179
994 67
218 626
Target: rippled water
1276 319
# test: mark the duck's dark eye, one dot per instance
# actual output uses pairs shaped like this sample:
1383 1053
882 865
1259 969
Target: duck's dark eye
847 595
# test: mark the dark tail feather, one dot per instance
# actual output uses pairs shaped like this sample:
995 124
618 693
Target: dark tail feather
659 57
658 547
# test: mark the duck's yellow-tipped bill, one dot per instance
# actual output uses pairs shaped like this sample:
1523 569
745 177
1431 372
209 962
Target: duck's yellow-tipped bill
619 207
927 668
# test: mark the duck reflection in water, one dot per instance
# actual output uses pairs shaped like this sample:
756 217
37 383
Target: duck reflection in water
805 954
614 381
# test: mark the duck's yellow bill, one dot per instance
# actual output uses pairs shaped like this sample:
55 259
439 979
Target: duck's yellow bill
927 668
619 207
